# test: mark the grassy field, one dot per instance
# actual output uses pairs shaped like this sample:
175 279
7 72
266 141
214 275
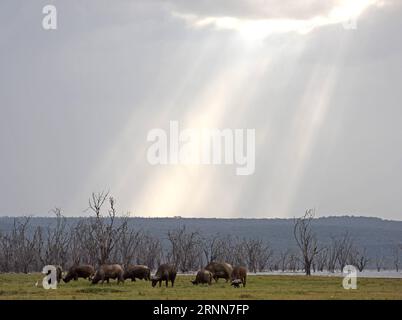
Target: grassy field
21 286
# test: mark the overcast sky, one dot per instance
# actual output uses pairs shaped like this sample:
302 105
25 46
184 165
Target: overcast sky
78 102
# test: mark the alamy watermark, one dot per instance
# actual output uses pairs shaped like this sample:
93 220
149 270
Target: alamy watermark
350 24
204 146
49 21
50 280
350 279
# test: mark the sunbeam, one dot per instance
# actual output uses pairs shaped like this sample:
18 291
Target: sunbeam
257 29
229 71
183 190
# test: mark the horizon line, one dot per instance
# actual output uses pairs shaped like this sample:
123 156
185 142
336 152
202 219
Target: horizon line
210 218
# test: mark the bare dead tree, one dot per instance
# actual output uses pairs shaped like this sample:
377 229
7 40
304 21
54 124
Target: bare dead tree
396 257
25 247
379 262
344 246
128 244
264 260
84 243
28 249
359 258
223 249
212 248
150 252
321 259
332 255
103 232
284 260
185 248
235 251
55 248
77 249
294 261
305 239
340 252
257 254
6 253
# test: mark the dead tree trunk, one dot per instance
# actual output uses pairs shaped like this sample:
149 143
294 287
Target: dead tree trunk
305 239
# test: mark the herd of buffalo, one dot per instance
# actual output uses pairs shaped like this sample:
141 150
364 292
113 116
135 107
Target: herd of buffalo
165 272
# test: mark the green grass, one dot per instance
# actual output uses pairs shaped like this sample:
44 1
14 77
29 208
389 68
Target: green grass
22 286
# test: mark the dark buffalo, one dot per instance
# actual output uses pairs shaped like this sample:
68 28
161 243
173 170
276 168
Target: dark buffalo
165 272
79 271
59 273
203 276
239 273
109 271
137 271
220 270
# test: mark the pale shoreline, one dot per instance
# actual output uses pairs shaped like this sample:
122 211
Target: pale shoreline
365 274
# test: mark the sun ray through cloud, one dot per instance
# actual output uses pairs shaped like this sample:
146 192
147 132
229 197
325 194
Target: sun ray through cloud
259 28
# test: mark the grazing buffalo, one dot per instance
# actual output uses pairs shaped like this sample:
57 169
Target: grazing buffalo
203 276
137 271
220 270
109 271
239 273
79 271
165 272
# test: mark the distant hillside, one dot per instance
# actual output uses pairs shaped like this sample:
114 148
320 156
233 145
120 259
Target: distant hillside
378 236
